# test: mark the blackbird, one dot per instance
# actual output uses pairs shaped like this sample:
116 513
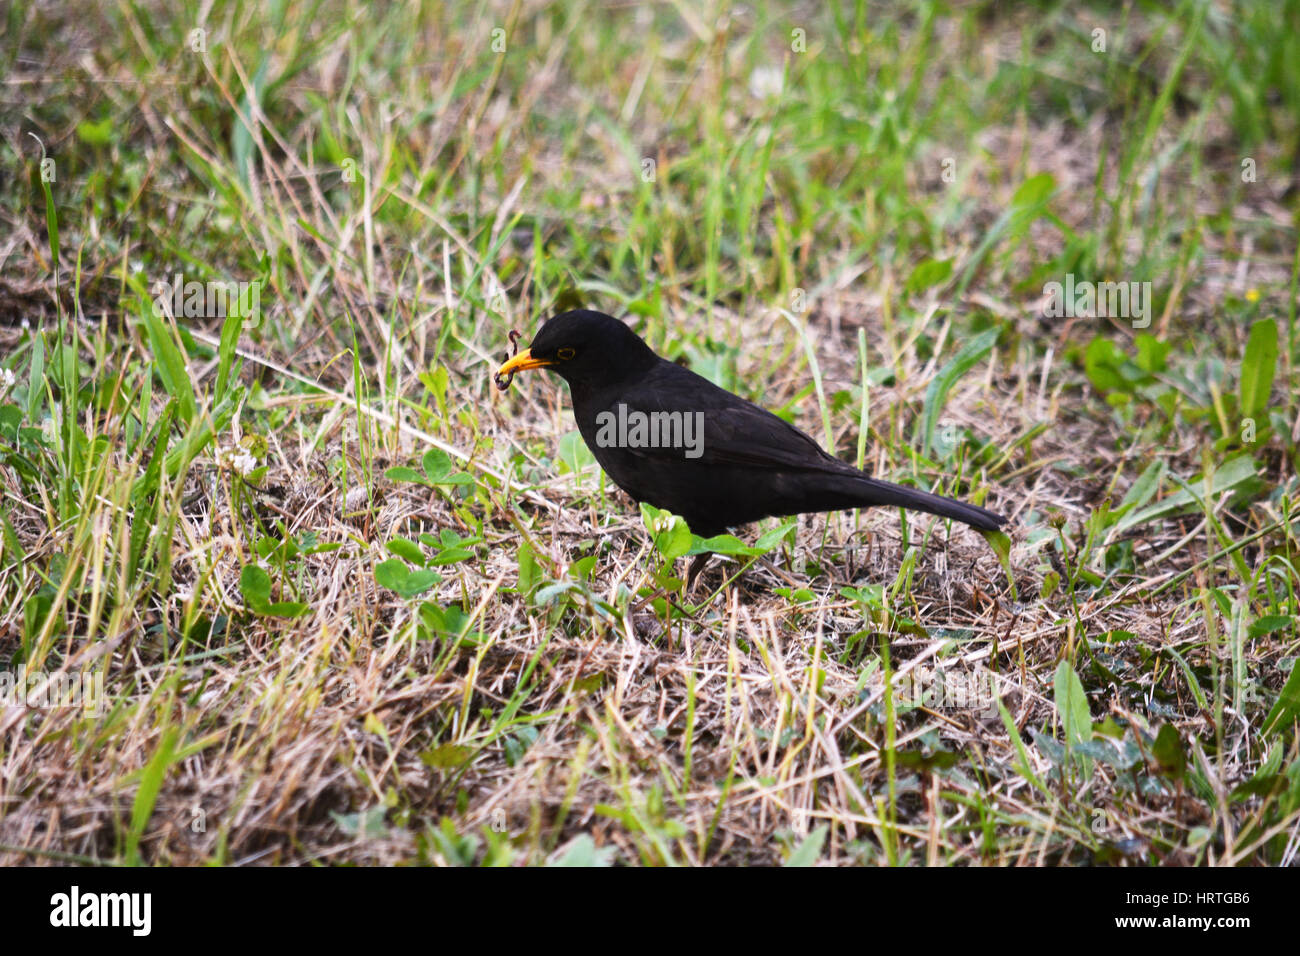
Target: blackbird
667 436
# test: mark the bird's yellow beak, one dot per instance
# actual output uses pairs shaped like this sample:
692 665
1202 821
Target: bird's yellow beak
522 363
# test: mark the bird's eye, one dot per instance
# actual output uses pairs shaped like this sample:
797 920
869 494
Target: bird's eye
565 354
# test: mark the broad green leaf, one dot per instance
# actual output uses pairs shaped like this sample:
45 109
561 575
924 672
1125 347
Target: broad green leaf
1034 192
724 544
1072 705
446 756
671 534
1282 716
417 582
284 609
255 585
1168 751
436 464
771 538
402 473
810 850
1000 542
96 134
1151 353
1144 488
574 452
36 380
396 576
1230 475
928 274
405 548
230 330
1257 367
927 762
583 852
529 573
1270 624
936 393
1101 363
451 556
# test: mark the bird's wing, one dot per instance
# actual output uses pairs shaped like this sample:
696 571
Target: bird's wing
735 431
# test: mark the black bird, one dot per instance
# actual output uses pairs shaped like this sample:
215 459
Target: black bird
670 437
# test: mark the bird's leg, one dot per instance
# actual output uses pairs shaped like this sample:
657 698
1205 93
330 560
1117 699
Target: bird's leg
692 572
696 566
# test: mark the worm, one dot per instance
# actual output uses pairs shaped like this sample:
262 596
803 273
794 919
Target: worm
503 381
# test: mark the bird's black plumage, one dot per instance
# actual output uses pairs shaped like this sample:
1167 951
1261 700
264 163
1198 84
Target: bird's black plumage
745 464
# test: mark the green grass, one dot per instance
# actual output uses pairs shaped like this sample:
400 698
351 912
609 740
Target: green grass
349 604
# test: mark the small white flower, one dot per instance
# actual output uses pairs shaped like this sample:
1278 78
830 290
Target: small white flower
6 380
766 81
243 463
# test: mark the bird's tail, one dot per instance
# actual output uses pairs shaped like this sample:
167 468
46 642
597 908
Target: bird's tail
862 491
887 493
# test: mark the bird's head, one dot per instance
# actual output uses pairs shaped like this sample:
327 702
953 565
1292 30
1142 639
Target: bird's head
583 347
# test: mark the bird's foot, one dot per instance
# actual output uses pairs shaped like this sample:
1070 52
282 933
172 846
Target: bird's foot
696 566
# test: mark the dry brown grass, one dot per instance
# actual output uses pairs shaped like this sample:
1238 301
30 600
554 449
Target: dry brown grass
726 733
